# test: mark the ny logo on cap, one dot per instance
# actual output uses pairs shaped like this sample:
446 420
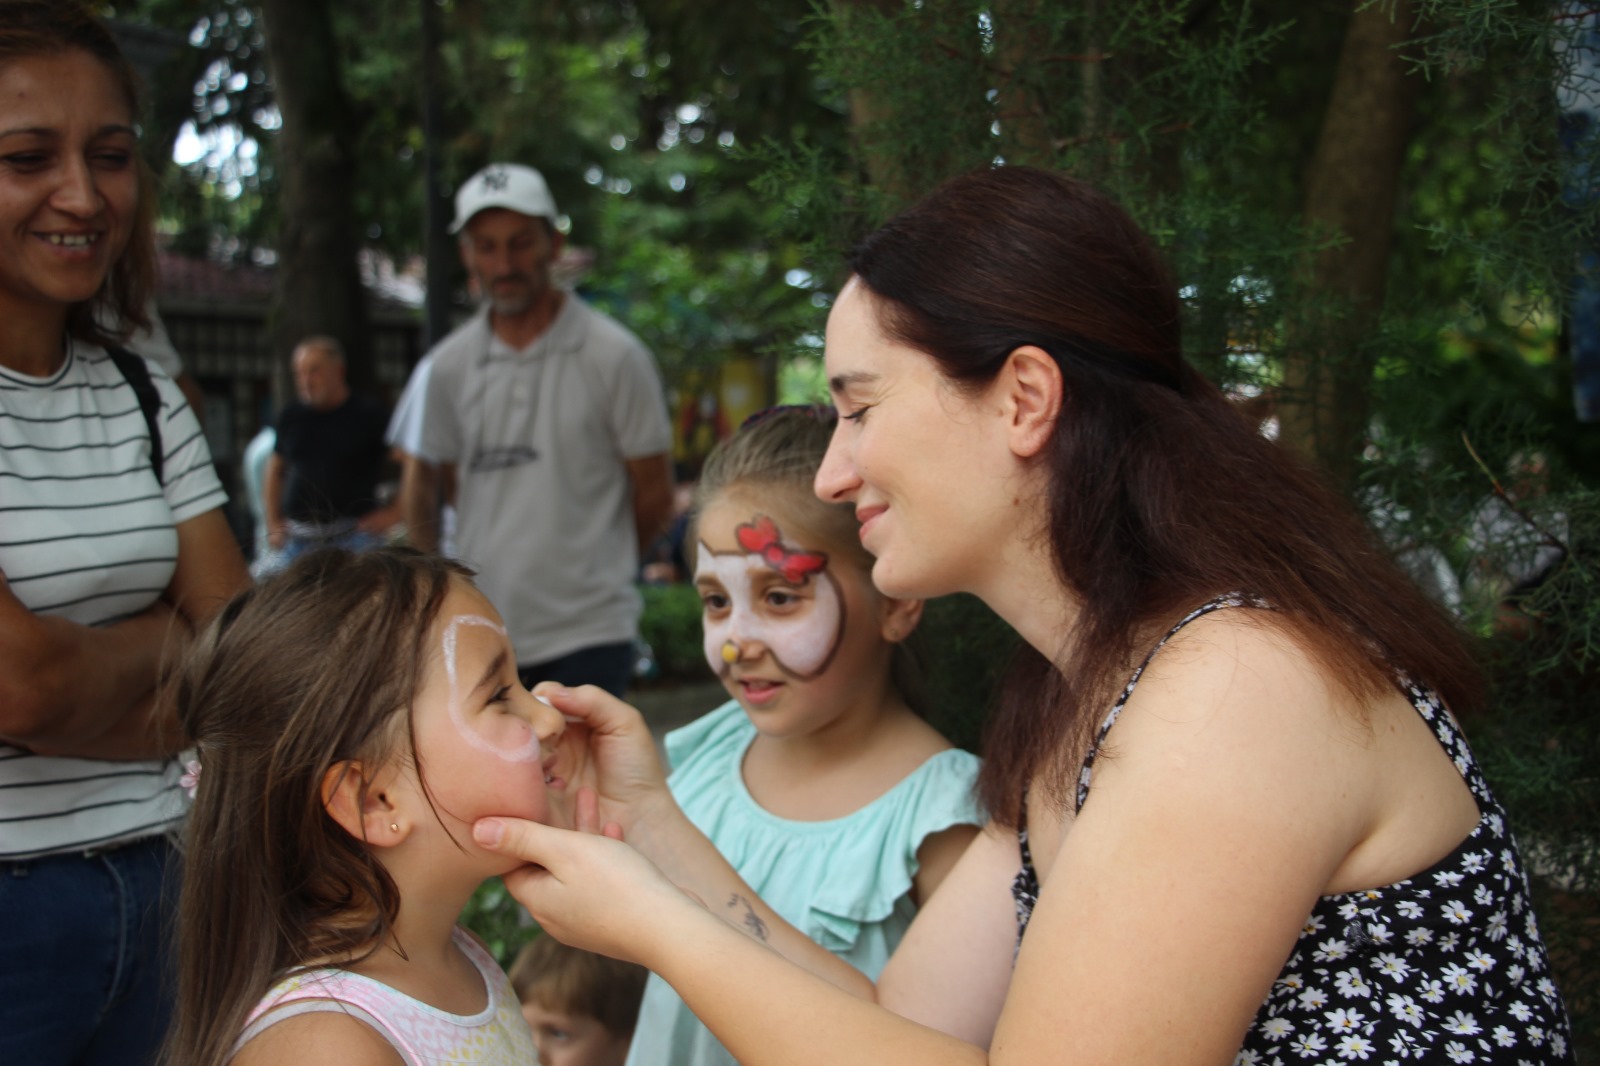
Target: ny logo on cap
495 180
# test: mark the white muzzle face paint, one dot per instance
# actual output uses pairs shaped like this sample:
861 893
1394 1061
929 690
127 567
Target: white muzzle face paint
802 643
526 752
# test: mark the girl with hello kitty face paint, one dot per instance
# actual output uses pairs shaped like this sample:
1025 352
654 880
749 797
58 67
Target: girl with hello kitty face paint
834 801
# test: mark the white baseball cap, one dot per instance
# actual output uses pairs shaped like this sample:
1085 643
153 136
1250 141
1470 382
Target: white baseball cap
509 185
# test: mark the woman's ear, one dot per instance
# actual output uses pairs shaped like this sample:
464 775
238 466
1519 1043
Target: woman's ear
899 618
361 806
1031 392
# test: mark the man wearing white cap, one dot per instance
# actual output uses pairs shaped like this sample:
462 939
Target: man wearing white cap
548 419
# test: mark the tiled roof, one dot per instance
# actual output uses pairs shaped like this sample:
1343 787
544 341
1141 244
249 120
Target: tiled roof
195 279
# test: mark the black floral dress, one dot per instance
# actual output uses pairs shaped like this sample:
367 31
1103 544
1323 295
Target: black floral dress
1444 967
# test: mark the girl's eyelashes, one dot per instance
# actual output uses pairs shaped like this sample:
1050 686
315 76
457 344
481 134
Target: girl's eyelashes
718 602
858 415
501 694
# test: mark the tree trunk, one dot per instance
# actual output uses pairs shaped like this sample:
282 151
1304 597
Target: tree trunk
869 112
1021 107
436 240
1351 189
319 281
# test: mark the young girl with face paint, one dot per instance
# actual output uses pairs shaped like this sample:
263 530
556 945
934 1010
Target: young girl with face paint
817 781
354 716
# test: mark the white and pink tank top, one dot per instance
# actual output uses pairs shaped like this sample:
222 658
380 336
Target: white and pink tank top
423 1035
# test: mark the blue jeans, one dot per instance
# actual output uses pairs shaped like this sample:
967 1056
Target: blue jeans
608 665
83 956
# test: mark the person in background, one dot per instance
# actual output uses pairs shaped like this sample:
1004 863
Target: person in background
405 439
113 549
154 343
581 1007
321 484
548 420
253 467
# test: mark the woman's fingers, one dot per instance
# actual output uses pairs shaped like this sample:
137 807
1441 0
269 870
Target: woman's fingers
621 762
594 706
529 841
589 891
588 816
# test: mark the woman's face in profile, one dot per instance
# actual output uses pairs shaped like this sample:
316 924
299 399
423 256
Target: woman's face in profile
69 182
927 467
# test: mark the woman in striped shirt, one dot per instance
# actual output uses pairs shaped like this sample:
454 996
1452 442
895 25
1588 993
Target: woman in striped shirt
112 548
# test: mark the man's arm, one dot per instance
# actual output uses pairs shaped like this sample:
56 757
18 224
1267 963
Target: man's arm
420 493
386 516
651 478
272 501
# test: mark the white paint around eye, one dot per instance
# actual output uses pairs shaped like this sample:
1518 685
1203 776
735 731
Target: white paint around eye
801 645
528 752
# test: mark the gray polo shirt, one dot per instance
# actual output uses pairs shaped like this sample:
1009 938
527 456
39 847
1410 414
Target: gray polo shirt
544 504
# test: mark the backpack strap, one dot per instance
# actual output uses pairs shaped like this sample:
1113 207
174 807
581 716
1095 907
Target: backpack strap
138 374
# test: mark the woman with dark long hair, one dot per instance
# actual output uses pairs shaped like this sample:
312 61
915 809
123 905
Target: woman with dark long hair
112 546
1234 819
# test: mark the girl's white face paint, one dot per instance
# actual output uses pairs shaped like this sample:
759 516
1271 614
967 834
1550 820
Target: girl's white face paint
527 751
801 643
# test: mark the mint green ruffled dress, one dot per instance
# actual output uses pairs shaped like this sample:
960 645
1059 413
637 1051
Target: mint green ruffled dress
845 882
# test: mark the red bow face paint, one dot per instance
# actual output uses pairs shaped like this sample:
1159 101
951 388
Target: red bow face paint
761 537
763 590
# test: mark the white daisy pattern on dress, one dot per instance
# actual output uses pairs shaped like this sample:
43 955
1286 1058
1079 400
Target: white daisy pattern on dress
1444 966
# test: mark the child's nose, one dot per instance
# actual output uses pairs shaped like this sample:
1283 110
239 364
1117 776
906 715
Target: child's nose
747 649
548 723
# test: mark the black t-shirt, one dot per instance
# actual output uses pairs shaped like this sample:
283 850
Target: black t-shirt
333 459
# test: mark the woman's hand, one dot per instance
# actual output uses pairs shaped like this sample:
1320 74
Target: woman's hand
616 756
592 892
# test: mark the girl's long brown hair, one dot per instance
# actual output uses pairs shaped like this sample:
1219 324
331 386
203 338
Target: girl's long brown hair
1162 495
30 28
314 666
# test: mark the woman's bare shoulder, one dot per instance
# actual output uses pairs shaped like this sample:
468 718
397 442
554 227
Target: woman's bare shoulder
1240 659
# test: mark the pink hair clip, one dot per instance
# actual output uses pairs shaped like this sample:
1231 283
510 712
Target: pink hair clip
190 781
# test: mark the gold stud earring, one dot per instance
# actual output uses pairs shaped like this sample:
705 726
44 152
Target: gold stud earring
394 827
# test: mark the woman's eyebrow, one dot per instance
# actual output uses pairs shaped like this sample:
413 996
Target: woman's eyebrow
50 131
840 382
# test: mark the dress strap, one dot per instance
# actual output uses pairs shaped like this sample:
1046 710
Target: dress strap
1232 599
1025 886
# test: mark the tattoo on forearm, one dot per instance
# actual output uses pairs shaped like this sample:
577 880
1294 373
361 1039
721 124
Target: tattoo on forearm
752 921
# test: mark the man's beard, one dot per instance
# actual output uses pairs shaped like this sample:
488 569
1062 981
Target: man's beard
515 300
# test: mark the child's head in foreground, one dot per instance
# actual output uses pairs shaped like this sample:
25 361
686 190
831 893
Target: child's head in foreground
790 613
582 1007
353 716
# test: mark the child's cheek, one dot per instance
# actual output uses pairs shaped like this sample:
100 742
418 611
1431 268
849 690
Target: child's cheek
504 736
510 737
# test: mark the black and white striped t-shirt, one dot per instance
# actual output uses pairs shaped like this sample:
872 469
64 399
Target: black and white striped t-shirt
87 533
